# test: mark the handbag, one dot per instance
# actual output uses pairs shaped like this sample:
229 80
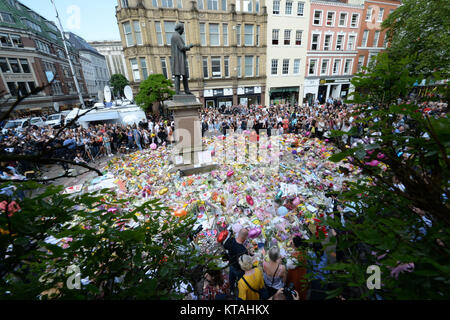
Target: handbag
263 293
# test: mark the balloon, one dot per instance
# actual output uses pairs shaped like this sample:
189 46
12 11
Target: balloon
180 213
254 233
153 146
222 236
372 163
230 173
263 190
296 201
282 211
294 151
280 193
163 191
250 200
380 156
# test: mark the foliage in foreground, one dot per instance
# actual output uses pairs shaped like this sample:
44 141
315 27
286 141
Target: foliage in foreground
143 253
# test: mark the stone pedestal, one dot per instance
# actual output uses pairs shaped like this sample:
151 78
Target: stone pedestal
188 135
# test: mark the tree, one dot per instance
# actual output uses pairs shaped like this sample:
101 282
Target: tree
118 82
121 250
155 89
419 29
400 210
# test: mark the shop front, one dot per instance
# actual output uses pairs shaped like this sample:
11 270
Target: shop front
284 95
249 95
311 90
218 98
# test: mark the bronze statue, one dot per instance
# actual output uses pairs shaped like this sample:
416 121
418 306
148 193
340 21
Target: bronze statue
179 59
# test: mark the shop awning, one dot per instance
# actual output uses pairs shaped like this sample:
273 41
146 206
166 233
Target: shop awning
284 90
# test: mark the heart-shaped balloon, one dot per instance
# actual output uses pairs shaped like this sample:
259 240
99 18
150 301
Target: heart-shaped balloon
249 200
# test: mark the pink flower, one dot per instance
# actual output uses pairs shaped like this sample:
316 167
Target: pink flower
406 267
13 207
372 163
3 205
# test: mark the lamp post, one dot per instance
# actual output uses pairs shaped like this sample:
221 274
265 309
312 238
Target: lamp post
80 96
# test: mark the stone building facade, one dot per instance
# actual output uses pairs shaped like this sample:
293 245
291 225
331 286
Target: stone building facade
227 66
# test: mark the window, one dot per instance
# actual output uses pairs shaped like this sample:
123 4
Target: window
52 35
369 14
274 67
225 34
23 90
155 3
249 66
205 67
159 33
169 28
213 4
276 7
330 18
376 38
224 5
6 17
371 58
200 4
226 66
380 15
135 70
285 66
315 41
60 53
300 8
343 19
238 34
214 36
239 69
31 85
317 17
5 40
296 66
124 3
287 37
202 34
164 67
12 88
144 68
4 66
312 67
324 67
354 22
257 6
14 63
351 42
327 42
29 23
298 37
25 65
167 3
257 67
258 31
340 42
364 38
215 64
56 87
248 34
17 41
247 6
137 32
128 34
336 66
275 33
347 66
288 9
360 63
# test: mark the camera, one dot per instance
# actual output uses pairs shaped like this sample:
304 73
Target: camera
289 291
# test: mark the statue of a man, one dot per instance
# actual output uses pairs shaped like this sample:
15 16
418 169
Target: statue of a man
179 59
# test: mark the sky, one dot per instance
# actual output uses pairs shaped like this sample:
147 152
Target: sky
93 20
